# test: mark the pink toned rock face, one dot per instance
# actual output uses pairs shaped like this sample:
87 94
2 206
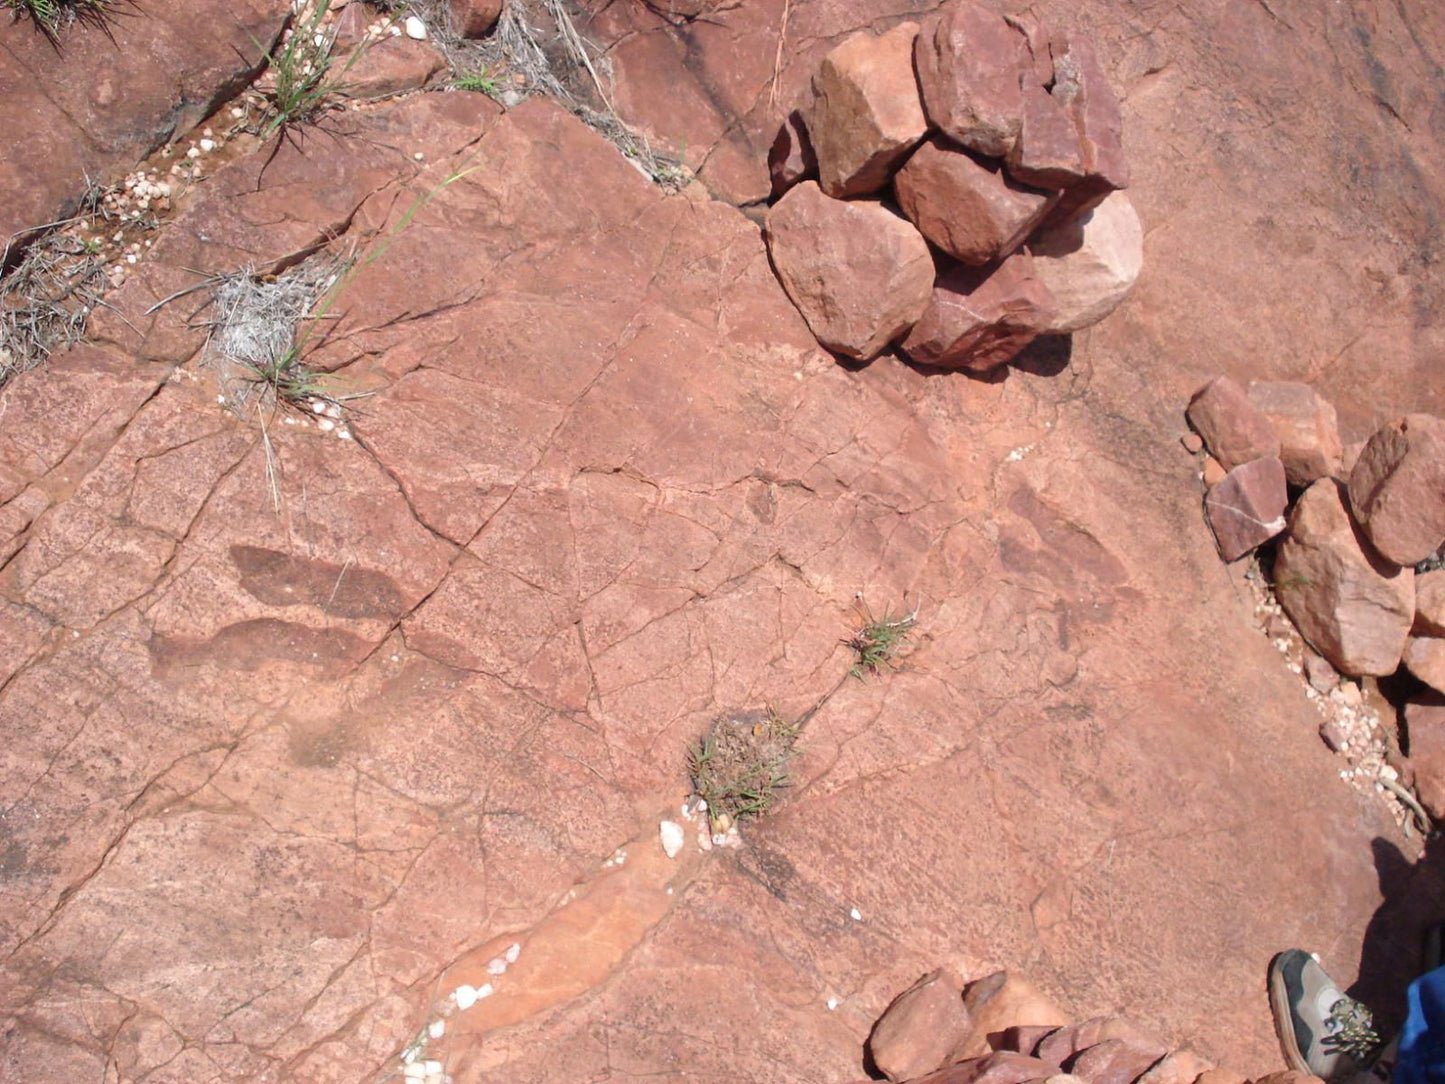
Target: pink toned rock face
1081 87
1001 1067
1047 153
791 158
969 67
1247 508
1354 607
1397 488
1179 1067
1116 1061
1425 656
865 116
1308 431
392 65
474 18
860 275
966 205
1430 603
1233 428
1089 266
1288 1076
1000 1002
921 1027
87 112
1425 726
980 318
1060 1047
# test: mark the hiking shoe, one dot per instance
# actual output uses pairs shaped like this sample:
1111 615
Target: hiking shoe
1321 1031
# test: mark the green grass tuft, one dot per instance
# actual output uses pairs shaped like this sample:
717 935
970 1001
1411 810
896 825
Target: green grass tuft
740 764
878 640
478 83
51 16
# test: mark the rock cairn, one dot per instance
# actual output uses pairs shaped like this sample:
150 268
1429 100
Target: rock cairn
1357 557
955 189
1001 1030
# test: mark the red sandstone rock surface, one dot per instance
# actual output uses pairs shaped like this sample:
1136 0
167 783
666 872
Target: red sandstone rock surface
1397 488
283 780
921 1027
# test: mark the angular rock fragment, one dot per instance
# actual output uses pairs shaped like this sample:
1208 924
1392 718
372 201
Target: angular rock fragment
1023 1039
1351 605
979 319
1089 266
474 18
1430 603
1082 88
1221 1076
1047 153
921 1027
966 205
1397 488
1036 43
791 158
1289 1076
1425 656
1425 729
1247 508
1115 1061
1063 1044
1306 425
1233 428
1001 1001
1001 1067
865 116
969 69
860 275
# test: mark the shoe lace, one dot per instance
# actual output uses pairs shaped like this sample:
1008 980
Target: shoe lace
1351 1031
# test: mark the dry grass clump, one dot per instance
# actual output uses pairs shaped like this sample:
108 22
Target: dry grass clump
46 299
741 763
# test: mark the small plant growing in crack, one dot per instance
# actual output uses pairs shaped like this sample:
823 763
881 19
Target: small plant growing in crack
303 71
740 764
878 639
53 16
479 82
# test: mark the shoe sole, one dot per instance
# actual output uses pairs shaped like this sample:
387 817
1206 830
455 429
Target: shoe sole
1284 1019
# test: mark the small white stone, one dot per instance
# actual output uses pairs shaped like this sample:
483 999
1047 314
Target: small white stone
220 398
343 434
207 146
485 991
394 31
856 915
437 1028
465 997
326 425
672 838
415 28
832 1003
194 152
237 112
434 1068
414 1071
419 156
512 953
318 406
207 133
496 966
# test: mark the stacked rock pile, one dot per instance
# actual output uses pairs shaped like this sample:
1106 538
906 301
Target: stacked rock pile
1001 1030
955 189
1357 565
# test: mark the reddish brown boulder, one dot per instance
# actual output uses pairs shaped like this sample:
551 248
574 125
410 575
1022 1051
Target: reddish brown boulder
1089 266
1221 1076
1023 1039
1430 603
1425 656
966 205
1397 488
474 18
1063 1044
1352 606
1425 730
980 318
1000 1067
1289 1076
921 1027
1036 43
969 70
791 158
860 274
865 116
1234 429
1002 1001
1082 88
391 66
1247 508
1116 1061
1178 1067
1047 152
1308 431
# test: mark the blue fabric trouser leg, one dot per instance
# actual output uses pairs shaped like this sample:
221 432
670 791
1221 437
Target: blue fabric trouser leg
1422 1040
